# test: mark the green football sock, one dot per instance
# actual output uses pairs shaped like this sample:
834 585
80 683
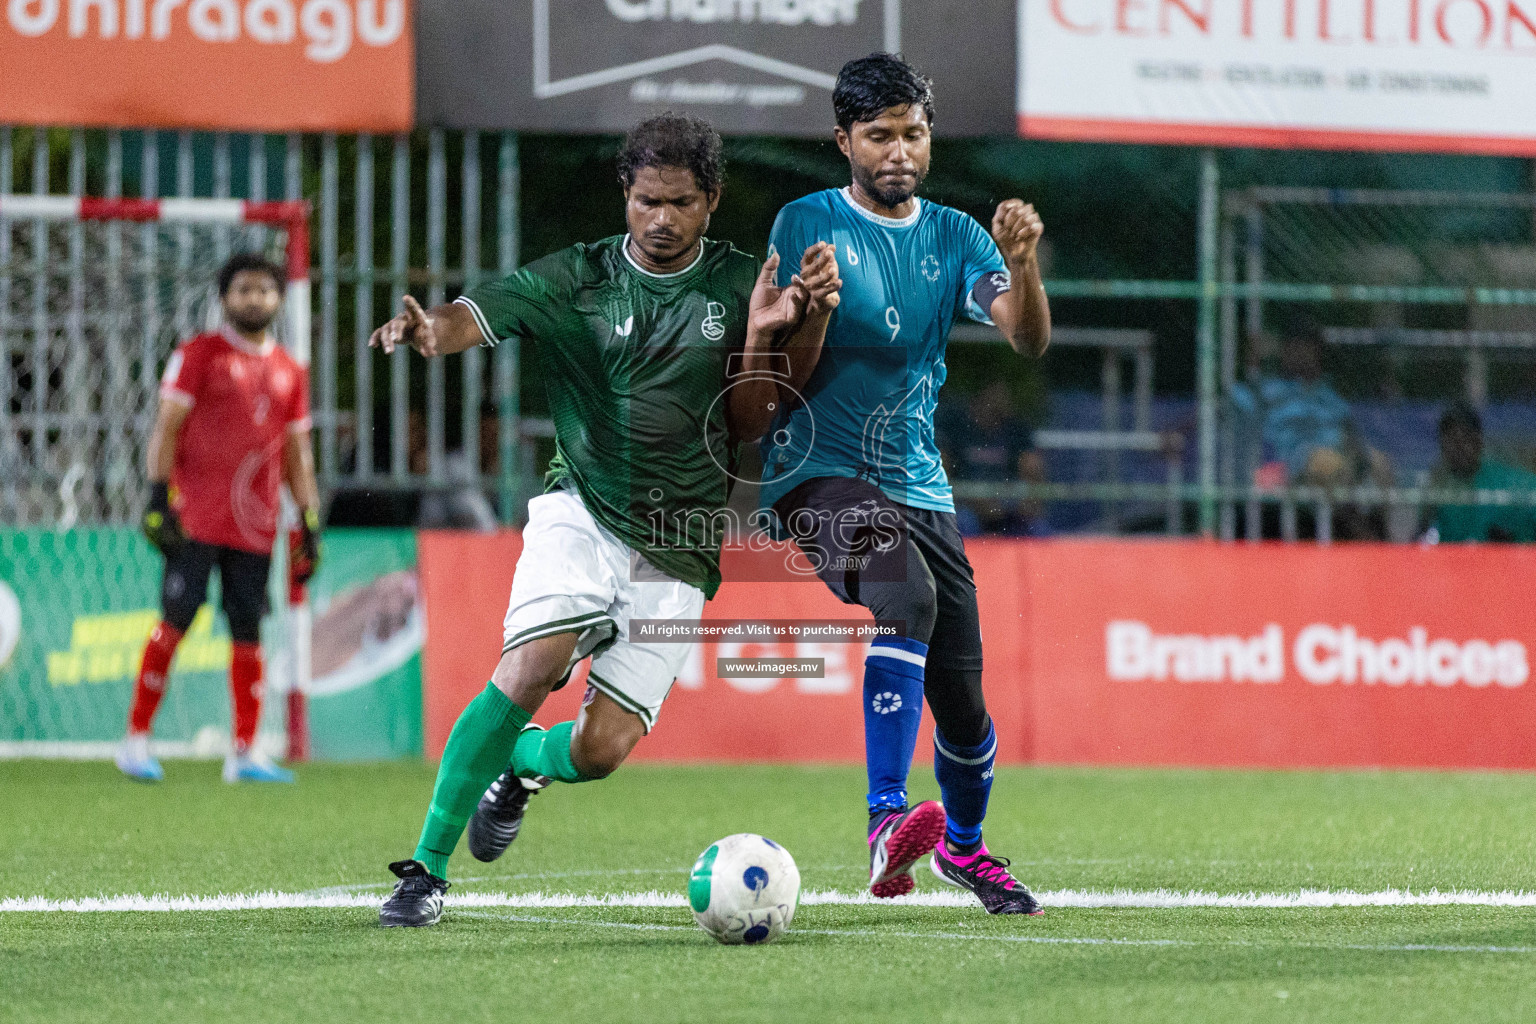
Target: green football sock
547 752
478 750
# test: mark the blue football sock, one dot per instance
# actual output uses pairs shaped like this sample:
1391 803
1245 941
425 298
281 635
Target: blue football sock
965 779
893 708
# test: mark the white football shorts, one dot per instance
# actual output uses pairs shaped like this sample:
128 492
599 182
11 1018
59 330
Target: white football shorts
575 576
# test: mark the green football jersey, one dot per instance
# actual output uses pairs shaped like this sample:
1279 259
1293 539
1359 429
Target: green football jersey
635 366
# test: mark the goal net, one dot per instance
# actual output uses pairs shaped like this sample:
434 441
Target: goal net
94 296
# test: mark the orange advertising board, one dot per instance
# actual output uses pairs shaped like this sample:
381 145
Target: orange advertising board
466 580
1107 652
252 65
1281 655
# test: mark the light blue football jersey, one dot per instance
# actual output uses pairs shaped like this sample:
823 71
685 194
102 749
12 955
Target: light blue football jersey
867 410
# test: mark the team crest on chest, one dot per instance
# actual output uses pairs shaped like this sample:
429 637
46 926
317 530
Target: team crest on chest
713 327
930 267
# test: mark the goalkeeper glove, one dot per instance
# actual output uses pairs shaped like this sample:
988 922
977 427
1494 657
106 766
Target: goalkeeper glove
304 548
161 524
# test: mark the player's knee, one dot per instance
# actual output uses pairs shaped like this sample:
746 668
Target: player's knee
179 606
528 672
912 603
518 681
922 606
244 628
599 764
179 619
604 735
920 597
597 753
959 707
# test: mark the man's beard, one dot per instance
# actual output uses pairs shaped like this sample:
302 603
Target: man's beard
250 323
666 249
887 196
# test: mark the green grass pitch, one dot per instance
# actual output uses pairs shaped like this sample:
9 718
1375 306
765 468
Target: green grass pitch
78 830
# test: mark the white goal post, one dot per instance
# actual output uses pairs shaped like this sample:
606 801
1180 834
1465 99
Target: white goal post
291 216
93 294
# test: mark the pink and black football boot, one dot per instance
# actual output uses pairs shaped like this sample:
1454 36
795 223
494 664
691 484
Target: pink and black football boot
986 876
896 841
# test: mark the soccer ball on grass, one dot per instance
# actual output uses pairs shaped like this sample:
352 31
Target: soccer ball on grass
743 889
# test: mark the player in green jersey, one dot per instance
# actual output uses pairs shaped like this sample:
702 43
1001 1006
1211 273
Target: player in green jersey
639 335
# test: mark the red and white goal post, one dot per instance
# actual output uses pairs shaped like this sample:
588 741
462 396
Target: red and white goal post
221 218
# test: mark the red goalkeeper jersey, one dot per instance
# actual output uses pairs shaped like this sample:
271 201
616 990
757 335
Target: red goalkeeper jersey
244 400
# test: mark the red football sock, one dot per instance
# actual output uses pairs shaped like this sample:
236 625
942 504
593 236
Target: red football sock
153 671
245 688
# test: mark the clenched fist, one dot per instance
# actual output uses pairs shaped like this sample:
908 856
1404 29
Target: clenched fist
1016 228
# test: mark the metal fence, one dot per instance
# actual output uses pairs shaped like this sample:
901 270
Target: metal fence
1370 261
1363 262
436 211
382 423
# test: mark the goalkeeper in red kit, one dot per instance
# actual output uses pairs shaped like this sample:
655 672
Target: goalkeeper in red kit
233 426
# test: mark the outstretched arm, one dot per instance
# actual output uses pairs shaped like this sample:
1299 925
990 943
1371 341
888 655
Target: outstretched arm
441 331
1022 313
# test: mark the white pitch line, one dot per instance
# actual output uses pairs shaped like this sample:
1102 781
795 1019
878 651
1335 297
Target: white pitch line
329 890
323 901
1161 899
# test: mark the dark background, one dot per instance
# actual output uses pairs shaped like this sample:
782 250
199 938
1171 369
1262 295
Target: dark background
474 65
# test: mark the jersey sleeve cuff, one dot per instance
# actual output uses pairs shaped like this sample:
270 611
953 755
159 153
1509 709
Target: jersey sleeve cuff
480 321
299 426
178 396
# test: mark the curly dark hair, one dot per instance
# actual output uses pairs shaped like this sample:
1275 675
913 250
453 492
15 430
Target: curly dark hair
869 86
674 140
242 261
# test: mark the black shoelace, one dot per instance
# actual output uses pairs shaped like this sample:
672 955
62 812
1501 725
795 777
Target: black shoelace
995 870
418 884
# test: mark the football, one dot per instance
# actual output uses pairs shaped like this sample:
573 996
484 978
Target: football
743 889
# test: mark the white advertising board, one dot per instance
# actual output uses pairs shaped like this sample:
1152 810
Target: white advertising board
1427 75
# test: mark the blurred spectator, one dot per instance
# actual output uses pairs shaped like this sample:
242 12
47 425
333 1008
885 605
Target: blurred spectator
987 441
457 504
1306 427
1463 464
1308 435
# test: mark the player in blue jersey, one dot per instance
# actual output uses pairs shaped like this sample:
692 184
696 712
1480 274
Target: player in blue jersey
852 472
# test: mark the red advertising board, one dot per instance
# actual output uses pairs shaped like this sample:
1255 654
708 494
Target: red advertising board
1281 655
254 65
466 579
1107 652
